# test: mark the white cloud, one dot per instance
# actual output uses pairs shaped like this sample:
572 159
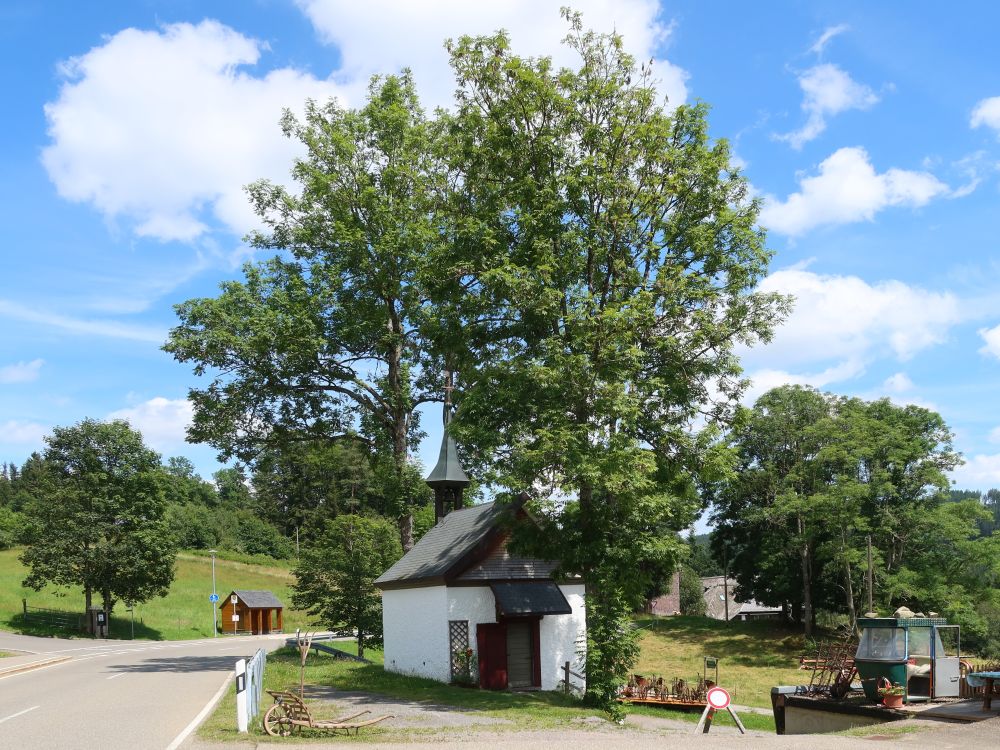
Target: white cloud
381 36
16 432
161 421
844 318
987 112
898 383
979 472
21 372
828 34
765 379
164 128
847 189
991 337
827 91
994 436
108 328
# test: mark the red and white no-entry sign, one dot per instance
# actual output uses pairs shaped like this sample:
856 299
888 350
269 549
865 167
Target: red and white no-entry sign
718 698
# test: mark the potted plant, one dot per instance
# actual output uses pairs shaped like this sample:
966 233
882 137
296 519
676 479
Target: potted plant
892 695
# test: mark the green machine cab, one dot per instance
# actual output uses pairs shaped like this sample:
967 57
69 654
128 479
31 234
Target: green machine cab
919 653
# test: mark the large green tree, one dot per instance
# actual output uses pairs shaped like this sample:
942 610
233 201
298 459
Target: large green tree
324 341
98 516
818 475
335 574
603 263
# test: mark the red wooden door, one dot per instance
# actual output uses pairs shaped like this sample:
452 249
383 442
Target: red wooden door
491 638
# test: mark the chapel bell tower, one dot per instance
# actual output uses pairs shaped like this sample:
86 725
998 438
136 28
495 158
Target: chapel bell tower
447 478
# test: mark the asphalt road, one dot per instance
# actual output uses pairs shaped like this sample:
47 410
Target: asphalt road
113 694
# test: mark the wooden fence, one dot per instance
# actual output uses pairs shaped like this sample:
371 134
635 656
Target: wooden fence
53 617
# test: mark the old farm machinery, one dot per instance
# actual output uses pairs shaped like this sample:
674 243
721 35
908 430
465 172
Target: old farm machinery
658 691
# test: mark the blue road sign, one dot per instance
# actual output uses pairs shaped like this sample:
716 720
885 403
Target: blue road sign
213 598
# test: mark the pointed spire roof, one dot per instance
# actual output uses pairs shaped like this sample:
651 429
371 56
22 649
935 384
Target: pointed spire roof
448 471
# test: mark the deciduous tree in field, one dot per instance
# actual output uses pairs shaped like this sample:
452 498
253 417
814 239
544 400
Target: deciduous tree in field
335 574
604 262
98 517
324 342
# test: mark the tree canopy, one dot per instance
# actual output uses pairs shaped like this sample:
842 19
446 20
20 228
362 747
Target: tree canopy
325 341
816 475
335 574
97 516
604 263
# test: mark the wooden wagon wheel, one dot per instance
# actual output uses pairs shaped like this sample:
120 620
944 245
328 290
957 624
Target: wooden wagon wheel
277 722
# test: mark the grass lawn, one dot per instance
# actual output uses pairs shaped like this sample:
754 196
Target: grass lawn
542 710
184 612
527 710
753 656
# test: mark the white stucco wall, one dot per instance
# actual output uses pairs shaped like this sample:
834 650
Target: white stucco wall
562 637
415 624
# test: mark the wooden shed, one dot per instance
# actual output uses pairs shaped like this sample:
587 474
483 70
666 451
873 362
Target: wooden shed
254 612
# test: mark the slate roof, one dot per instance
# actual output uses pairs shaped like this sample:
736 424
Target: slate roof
445 546
256 599
499 565
715 602
466 546
529 598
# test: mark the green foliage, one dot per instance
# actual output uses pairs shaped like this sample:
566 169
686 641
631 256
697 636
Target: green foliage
324 342
816 476
700 557
335 575
603 266
13 527
692 593
97 515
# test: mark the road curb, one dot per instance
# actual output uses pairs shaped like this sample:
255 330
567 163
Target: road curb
30 666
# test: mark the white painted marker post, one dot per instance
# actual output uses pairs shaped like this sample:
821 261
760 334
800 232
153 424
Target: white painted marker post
241 696
717 699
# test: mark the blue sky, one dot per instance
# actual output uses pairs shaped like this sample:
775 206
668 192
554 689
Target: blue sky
870 133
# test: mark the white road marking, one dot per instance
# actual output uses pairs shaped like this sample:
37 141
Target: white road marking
19 713
179 739
116 675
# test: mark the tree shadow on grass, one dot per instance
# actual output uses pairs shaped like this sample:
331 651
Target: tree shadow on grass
120 629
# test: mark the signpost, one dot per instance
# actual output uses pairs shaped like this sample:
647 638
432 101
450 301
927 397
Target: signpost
214 598
718 699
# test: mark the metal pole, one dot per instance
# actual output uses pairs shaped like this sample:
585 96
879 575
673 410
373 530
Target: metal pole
215 627
868 575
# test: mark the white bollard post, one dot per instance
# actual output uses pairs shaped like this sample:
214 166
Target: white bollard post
241 695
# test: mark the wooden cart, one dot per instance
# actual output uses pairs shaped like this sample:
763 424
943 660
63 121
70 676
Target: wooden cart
289 715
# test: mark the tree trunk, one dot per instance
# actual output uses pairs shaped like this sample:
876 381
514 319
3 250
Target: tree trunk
851 612
808 615
361 644
88 597
848 583
399 415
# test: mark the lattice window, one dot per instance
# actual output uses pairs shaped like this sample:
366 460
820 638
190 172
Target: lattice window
458 642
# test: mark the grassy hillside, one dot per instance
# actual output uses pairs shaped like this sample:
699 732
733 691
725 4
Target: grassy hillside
754 656
184 612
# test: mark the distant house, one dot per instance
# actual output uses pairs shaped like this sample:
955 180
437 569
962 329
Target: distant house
668 603
459 588
714 588
254 612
